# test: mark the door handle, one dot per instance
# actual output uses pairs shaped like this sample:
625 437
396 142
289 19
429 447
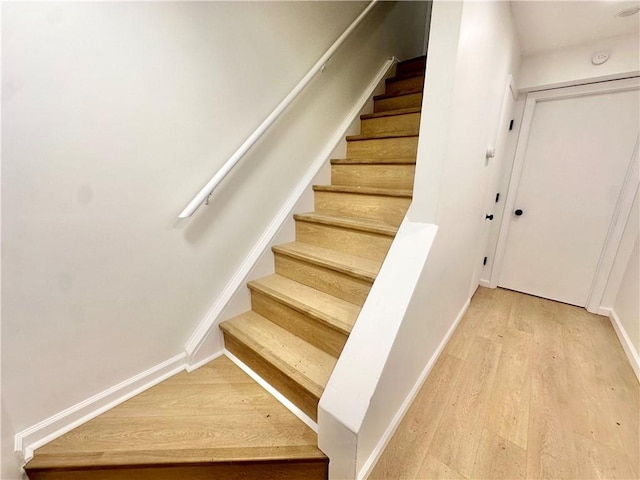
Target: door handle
518 212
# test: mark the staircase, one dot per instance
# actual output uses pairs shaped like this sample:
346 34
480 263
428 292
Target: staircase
302 315
216 422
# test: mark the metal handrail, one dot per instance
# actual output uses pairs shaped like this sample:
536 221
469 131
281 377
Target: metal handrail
207 190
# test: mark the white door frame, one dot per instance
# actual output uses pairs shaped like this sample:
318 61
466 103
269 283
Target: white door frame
625 199
496 165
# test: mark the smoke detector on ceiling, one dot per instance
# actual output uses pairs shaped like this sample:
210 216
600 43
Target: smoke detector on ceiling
599 58
627 12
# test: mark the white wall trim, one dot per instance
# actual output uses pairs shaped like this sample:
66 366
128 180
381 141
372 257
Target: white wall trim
616 230
211 319
485 283
288 404
397 419
627 345
192 367
53 427
512 190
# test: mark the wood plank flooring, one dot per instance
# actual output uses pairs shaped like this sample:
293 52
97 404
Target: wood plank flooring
526 388
215 422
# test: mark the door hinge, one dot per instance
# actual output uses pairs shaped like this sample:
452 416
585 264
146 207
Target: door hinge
484 262
511 125
497 197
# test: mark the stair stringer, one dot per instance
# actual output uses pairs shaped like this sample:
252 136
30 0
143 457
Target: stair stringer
206 342
346 404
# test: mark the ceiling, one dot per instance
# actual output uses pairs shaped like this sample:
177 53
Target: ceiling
547 25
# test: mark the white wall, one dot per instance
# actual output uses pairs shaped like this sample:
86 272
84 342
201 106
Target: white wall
627 305
487 53
627 242
572 65
472 50
114 116
9 464
621 300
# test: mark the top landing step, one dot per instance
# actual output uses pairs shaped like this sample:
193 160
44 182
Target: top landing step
411 67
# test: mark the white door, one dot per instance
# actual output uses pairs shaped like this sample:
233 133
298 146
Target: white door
573 165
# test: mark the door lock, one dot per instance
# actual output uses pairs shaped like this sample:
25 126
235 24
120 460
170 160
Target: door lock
488 217
518 212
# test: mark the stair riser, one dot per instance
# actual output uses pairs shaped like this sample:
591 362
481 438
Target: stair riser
396 103
354 242
383 176
383 148
304 326
373 207
409 122
404 86
338 284
365 161
415 66
281 470
298 395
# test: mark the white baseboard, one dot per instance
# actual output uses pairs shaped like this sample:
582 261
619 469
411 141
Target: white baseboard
51 428
275 393
190 367
485 283
397 419
627 345
211 319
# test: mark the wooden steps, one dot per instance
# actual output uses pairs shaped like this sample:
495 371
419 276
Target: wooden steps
384 103
216 422
382 145
213 423
302 315
391 121
374 175
315 316
411 67
344 276
383 204
299 369
404 85
346 234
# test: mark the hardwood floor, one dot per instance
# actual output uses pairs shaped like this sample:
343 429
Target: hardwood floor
526 388
215 422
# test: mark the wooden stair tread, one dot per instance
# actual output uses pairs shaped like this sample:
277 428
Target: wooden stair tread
377 136
169 457
361 224
305 364
335 312
390 113
229 418
414 65
359 267
388 192
402 77
405 76
385 96
374 161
